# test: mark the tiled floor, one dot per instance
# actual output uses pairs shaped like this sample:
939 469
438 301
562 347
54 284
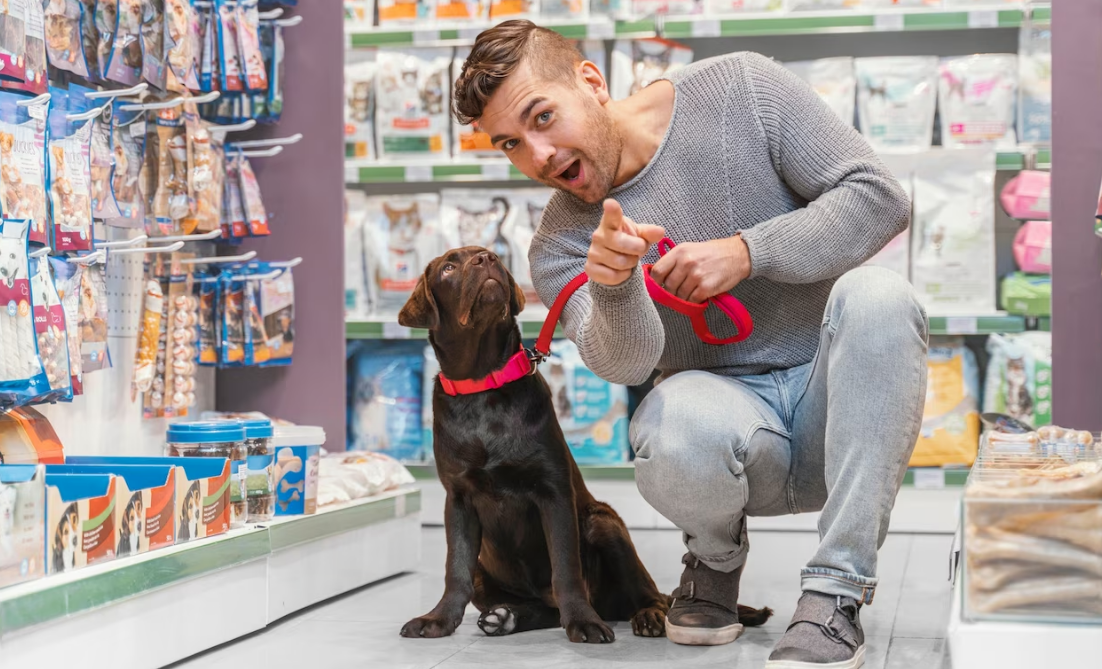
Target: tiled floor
905 627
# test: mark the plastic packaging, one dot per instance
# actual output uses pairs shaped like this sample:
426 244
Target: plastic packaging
896 254
50 332
21 372
385 400
564 9
402 236
233 320
297 451
951 419
1019 377
260 475
477 218
93 319
343 477
254 72
1027 294
404 12
277 313
128 149
1033 247
70 191
228 51
592 412
12 41
182 27
357 298
23 172
413 102
256 216
896 98
743 6
154 68
1035 84
68 278
34 61
976 98
125 60
208 289
145 357
104 205
1027 195
638 63
528 205
833 80
216 439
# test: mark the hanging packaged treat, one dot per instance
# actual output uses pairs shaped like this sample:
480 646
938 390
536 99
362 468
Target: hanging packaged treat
128 149
1035 84
208 57
34 62
228 50
459 10
153 400
89 39
277 312
13 42
184 346
637 64
976 98
104 205
501 10
22 376
833 80
125 60
359 104
70 191
477 218
528 205
183 30
896 98
234 331
248 44
208 289
402 236
93 319
234 218
23 172
666 7
402 12
274 50
412 99
153 43
205 176
257 352
64 39
106 22
50 332
468 140
145 358
68 277
170 202
255 214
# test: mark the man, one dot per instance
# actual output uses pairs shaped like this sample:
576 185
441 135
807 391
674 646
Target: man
771 198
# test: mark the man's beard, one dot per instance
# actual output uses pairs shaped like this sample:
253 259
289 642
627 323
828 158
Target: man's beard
601 157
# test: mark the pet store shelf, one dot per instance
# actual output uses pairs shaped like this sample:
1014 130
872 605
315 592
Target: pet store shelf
235 584
802 23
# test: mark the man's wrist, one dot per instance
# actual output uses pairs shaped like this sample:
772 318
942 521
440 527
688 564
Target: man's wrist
741 255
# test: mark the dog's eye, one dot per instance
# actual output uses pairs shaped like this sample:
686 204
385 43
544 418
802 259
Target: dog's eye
448 268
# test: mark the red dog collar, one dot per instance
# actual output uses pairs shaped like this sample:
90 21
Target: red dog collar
518 367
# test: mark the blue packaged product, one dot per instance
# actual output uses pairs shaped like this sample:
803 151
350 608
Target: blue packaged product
385 402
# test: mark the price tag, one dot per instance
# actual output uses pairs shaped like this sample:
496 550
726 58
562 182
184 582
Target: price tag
983 18
961 325
929 478
419 173
601 30
706 28
496 171
425 36
469 34
395 331
888 22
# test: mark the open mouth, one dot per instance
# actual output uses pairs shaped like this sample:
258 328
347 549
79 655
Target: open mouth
572 173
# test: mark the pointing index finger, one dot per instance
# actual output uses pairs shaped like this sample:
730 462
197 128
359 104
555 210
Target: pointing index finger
613 218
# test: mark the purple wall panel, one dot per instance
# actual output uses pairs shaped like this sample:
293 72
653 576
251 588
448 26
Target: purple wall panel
1076 251
304 193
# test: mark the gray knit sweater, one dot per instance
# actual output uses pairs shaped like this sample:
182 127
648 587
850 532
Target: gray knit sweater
750 148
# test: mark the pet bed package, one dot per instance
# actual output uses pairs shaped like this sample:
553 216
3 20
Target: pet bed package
385 400
1027 294
528 205
80 524
1035 84
477 218
23 169
896 99
977 98
950 430
357 299
638 63
71 190
404 12
592 412
1033 247
359 104
297 450
1027 195
833 80
343 477
22 523
402 236
1019 377
953 239
412 101
22 374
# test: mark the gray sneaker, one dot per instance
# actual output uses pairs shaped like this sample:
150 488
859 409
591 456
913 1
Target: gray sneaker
705 606
825 633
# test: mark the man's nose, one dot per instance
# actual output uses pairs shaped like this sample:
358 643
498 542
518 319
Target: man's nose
542 154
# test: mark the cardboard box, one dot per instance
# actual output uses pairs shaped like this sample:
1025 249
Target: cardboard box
80 520
145 504
22 523
27 438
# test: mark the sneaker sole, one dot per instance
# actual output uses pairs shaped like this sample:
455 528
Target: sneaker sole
702 636
856 661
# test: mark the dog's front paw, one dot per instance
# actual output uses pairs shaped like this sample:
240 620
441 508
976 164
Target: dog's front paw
589 631
498 621
649 622
430 627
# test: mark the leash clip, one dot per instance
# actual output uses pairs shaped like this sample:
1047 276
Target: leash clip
534 357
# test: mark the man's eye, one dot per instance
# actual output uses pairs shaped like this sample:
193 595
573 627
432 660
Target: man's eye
509 144
544 117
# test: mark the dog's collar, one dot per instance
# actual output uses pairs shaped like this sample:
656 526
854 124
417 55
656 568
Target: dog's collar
517 367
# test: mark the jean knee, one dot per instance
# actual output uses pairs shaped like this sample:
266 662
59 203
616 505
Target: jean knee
879 299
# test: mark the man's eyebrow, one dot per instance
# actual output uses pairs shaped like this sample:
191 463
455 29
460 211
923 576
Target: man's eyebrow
523 117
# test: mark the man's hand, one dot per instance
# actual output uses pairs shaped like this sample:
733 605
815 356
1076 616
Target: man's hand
695 271
618 245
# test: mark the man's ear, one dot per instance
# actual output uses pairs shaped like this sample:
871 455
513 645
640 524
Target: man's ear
420 309
592 79
516 303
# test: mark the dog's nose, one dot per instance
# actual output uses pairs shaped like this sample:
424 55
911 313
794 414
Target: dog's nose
484 257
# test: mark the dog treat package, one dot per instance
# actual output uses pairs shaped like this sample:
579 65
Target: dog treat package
234 332
638 63
1033 247
64 36
89 38
950 430
70 191
896 99
235 224
257 352
1027 195
297 453
528 205
385 399
248 43
172 202
92 319
477 218
833 80
273 50
743 6
593 413
208 48
207 291
205 176
68 277
976 98
34 64
125 61
357 302
149 334
22 523
896 254
106 21
564 9
402 236
182 29
1035 84
80 525
256 216
23 170
468 140
128 149
229 53
953 232
404 12
13 42
22 375
104 205
1019 377
412 100
1027 294
153 43
455 10
277 315
50 332
666 7
359 104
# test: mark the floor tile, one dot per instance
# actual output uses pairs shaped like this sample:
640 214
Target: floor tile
915 653
926 595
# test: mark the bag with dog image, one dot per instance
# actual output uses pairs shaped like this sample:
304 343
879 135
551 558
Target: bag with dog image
22 375
64 35
23 165
71 191
50 332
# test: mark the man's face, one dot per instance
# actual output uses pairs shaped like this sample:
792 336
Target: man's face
557 132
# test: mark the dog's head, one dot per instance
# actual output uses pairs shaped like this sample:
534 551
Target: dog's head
464 290
132 521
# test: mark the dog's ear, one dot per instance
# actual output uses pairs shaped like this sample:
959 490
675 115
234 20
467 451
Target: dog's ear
420 309
516 303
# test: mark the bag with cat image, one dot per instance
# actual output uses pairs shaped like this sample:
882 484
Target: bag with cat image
402 234
528 205
359 104
1019 377
977 98
23 165
638 63
896 99
833 80
477 218
950 430
22 374
413 102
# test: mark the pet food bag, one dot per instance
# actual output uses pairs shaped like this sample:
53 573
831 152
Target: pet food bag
528 205
564 9
50 331
254 71
743 6
1027 195
357 303
22 523
460 10
229 61
1035 84
277 313
666 7
34 62
22 376
402 236
184 50
124 63
950 431
412 102
1027 294
896 99
385 400
638 63
359 104
1019 377
428 385
93 319
104 205
128 148
953 232
67 278
896 254
468 140
1033 247
833 80
593 413
404 12
23 172
477 218
71 190
153 43
976 96
501 10
13 43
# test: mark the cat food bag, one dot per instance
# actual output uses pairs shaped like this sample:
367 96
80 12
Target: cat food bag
357 302
256 216
359 104
277 314
1027 294
896 98
207 288
638 63
248 44
68 277
93 319
412 101
743 6
402 236
228 50
833 80
477 218
125 61
1027 195
106 21
35 57
1033 247
23 172
950 432
182 28
666 7
13 42
404 12
50 332
896 255
953 239
461 10
153 43
528 205
1035 84
468 140
977 96
385 400
22 376
592 412
1019 377
128 150
70 191
104 205
501 10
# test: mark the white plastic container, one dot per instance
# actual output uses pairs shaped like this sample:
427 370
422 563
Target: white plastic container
297 453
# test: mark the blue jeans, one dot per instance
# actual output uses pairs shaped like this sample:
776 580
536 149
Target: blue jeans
833 435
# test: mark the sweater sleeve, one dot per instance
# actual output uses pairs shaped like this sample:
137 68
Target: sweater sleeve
617 329
855 206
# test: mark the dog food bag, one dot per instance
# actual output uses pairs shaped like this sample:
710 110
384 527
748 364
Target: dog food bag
833 80
638 63
125 60
501 10
953 232
22 523
277 314
468 140
92 319
1035 84
34 63
359 104
183 31
22 375
297 451
667 7
403 235
896 99
977 96
1027 294
70 191
593 413
412 101
50 332
356 295
528 205
896 255
153 43
404 12
1019 377
13 43
385 404
68 278
23 172
216 439
477 218
950 430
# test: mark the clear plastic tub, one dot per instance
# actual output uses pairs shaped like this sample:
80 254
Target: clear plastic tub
216 439
260 483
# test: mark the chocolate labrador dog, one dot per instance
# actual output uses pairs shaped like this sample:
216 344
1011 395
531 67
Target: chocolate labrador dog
527 543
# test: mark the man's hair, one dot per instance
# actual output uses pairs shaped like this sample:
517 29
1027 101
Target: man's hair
498 52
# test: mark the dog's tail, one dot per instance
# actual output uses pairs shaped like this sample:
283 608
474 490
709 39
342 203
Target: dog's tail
751 617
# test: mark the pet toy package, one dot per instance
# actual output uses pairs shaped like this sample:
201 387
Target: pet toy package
528 205
50 332
593 413
1033 247
833 80
637 64
297 453
976 97
402 236
23 171
1027 195
1027 294
953 237
1019 377
1035 84
667 7
950 430
80 525
153 43
22 523
896 99
93 319
13 44
477 218
468 140
385 400
34 63
501 10
22 376
359 104
357 302
68 277
412 101
461 10
71 191
124 63
404 12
